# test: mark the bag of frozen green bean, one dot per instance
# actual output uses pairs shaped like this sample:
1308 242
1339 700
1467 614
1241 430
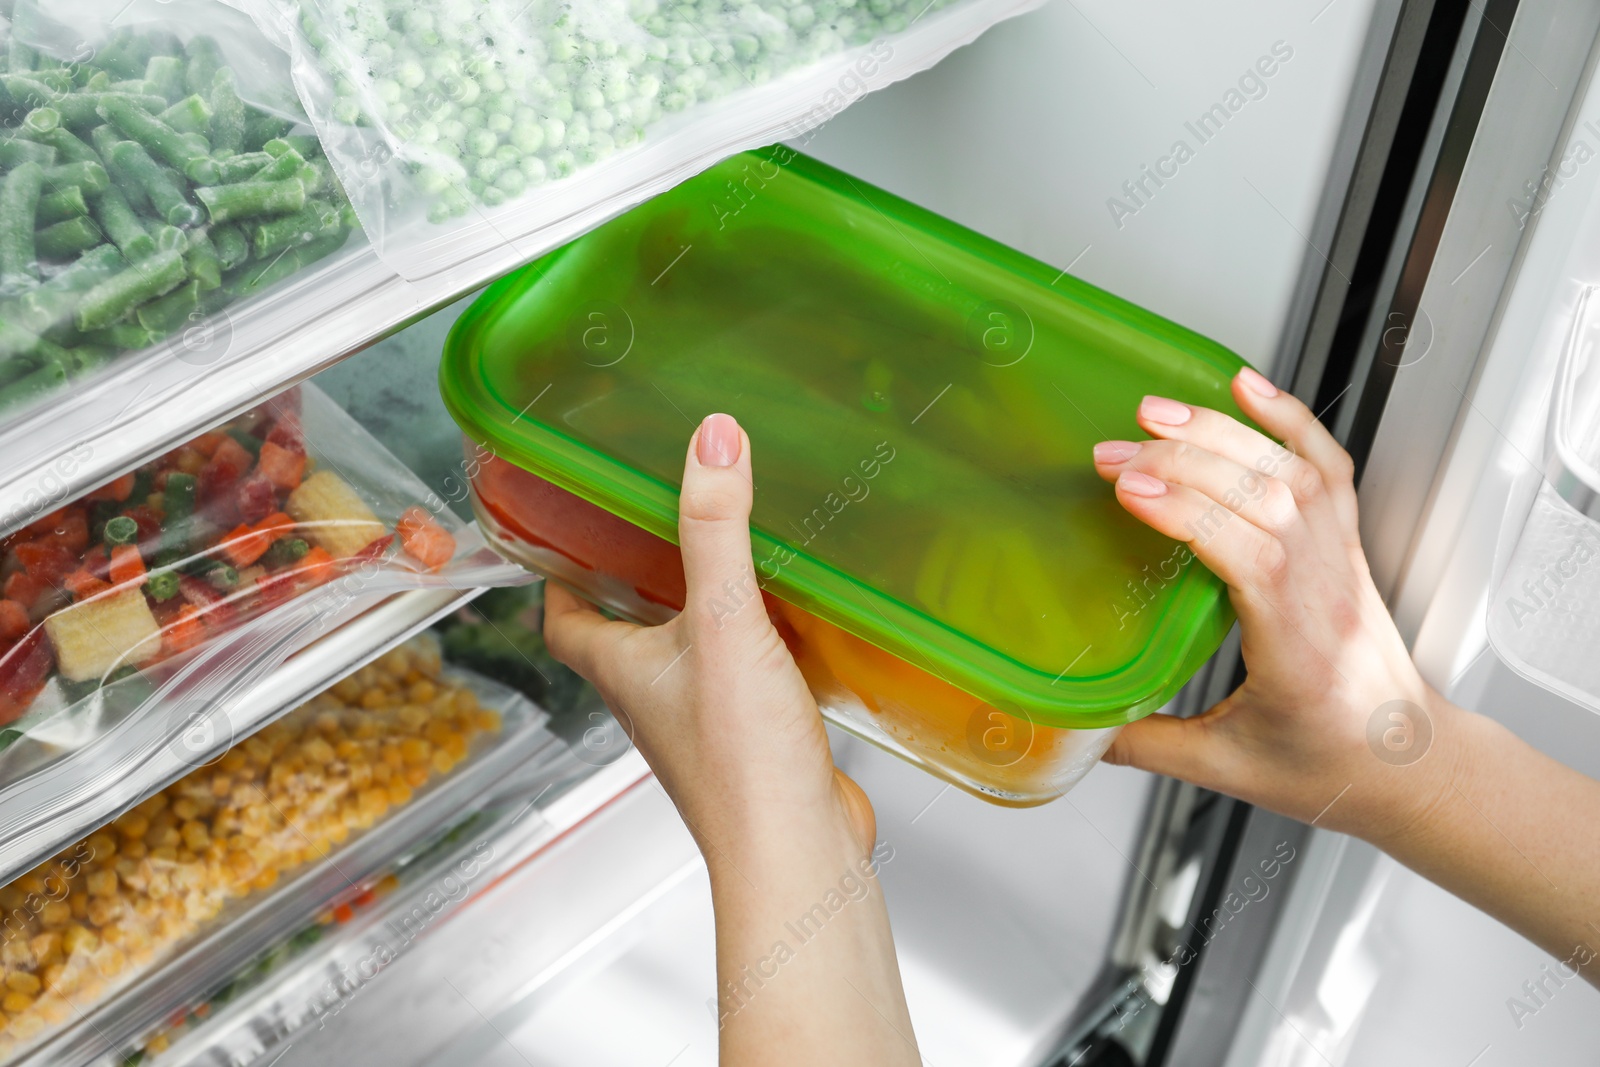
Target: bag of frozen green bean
465 126
156 170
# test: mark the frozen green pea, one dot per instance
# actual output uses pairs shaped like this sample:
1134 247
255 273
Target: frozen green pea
118 295
473 116
431 181
487 170
675 100
121 225
601 119
499 125
560 109
164 191
534 171
588 98
19 201
562 163
347 111
482 142
67 238
251 199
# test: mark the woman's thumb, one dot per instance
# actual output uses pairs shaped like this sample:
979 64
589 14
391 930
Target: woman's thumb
714 525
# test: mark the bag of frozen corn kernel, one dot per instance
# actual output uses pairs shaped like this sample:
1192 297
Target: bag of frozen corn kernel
185 580
115 904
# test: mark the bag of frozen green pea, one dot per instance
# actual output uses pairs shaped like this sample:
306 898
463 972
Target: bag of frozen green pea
501 129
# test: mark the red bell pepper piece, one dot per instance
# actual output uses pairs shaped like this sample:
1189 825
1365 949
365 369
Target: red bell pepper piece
225 467
13 620
82 584
256 498
24 669
47 560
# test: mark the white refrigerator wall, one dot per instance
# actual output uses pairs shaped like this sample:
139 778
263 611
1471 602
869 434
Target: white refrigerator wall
1029 135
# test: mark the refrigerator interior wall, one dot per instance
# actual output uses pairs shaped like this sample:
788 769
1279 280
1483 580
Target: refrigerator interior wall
1379 966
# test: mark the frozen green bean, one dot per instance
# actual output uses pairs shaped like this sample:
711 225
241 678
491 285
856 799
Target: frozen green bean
117 219
204 60
33 386
15 340
228 113
19 201
234 168
67 238
170 313
87 175
15 151
252 199
159 139
165 75
125 336
202 261
42 120
64 204
165 193
119 295
69 147
232 247
316 219
190 115
286 164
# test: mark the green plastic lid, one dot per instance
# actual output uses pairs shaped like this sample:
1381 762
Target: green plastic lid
921 402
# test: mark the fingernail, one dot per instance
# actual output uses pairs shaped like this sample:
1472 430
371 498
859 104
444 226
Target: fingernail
1257 383
719 441
1135 483
1166 412
1115 451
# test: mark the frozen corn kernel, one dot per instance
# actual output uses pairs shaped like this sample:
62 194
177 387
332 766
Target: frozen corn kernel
15 1003
22 982
101 883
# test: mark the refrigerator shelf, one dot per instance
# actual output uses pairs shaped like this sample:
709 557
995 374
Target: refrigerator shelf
50 809
420 833
535 833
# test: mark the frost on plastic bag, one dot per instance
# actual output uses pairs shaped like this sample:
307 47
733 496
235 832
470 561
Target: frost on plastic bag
151 177
111 906
462 126
176 587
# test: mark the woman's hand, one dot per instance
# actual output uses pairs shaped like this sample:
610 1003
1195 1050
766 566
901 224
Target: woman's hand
1333 724
1278 525
713 699
722 715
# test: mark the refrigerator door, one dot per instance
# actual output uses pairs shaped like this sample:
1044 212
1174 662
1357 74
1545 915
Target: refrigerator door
1451 379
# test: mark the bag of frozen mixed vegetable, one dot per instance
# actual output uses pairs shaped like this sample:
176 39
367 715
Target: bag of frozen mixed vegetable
155 170
180 582
469 126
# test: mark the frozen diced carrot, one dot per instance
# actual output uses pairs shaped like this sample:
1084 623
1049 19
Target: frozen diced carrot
118 489
24 588
243 545
208 443
126 564
83 585
185 632
283 467
317 565
424 539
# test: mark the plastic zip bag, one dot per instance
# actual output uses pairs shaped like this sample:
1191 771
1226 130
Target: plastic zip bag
240 848
461 128
151 178
176 587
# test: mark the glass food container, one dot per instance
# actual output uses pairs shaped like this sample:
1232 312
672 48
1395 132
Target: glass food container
930 535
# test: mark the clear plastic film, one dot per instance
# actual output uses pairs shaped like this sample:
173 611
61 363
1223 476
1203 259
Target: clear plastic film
155 173
1544 618
308 814
164 594
462 128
